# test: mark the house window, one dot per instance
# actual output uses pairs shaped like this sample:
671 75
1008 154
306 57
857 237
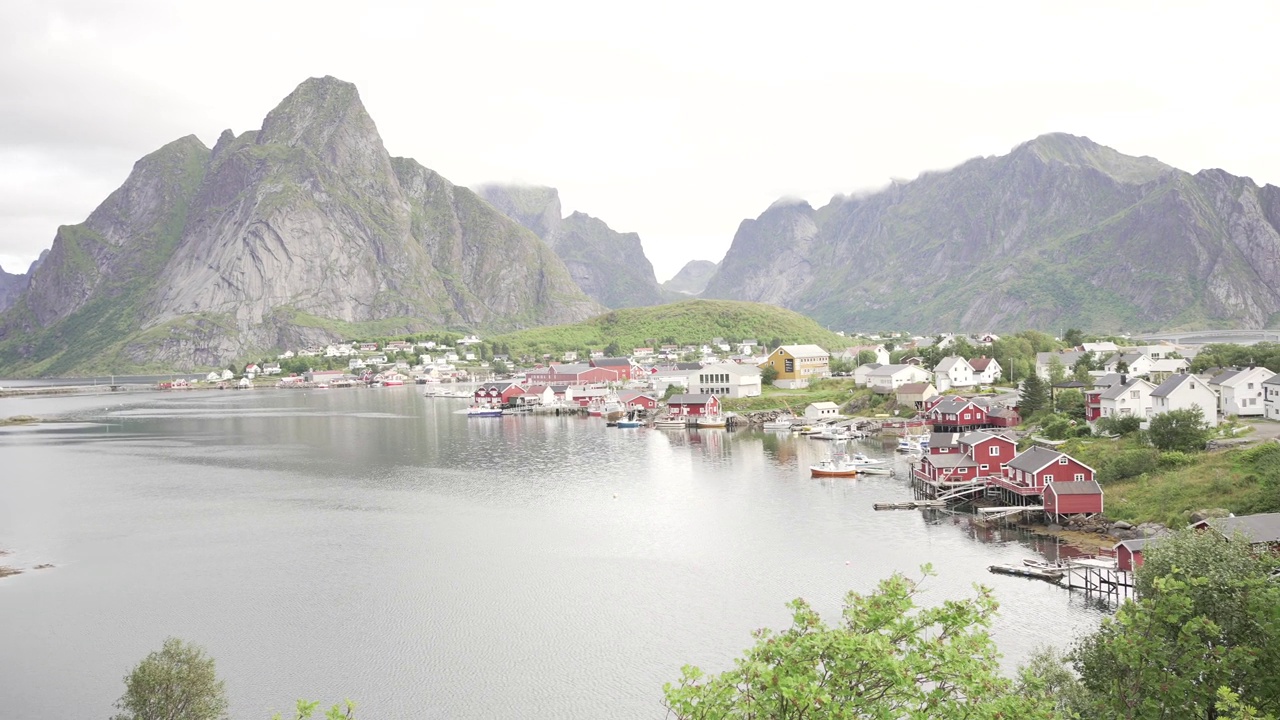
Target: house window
789 365
1134 394
1062 460
993 450
1079 477
966 416
986 467
1250 386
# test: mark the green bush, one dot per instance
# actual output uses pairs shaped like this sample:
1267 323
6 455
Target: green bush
1128 464
1177 459
1122 425
1083 431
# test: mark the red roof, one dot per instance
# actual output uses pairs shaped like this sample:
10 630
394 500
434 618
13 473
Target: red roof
980 364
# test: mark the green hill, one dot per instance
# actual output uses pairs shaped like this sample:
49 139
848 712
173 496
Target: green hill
689 322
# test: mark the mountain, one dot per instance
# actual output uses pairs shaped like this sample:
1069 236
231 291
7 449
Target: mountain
688 322
11 286
302 232
1059 232
692 278
609 266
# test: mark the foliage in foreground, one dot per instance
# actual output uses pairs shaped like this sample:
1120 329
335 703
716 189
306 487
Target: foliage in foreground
177 682
1208 620
886 658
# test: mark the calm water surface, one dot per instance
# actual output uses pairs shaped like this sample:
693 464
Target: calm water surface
373 544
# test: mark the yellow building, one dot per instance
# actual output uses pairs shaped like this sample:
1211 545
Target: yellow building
798 364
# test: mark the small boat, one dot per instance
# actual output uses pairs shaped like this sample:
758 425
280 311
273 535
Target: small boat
782 422
630 423
911 444
842 465
1041 564
484 412
1028 572
712 421
670 422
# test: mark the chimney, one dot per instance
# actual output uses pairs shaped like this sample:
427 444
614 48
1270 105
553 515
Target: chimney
1124 380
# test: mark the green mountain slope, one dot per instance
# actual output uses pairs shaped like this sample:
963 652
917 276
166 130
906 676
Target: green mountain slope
682 323
1060 232
281 237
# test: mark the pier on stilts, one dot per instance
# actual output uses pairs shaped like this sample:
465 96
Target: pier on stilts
1098 577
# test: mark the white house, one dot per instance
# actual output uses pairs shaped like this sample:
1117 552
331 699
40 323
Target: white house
228 375
1044 360
1180 392
851 353
1271 397
1100 350
213 377
725 380
1125 399
860 375
986 371
1162 368
953 371
820 410
1240 391
888 378
1131 363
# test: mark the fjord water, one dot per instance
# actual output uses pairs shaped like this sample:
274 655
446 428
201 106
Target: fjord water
375 545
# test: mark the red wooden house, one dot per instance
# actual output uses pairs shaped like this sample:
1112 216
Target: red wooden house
1039 466
941 443
635 400
1093 404
956 414
620 365
1129 553
498 393
575 374
991 451
693 405
949 468
1072 497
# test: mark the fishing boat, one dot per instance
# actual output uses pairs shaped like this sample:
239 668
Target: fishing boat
630 423
1053 575
477 411
670 422
712 421
1041 564
844 465
910 444
782 422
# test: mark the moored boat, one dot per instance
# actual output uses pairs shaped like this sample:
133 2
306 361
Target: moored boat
476 411
712 421
782 422
842 465
1053 575
671 422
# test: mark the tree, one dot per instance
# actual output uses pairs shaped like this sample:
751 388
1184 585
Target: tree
1057 371
1034 396
885 658
612 349
1184 430
1120 424
177 682
865 357
1205 618
499 367
306 708
1073 337
768 375
1070 402
1080 371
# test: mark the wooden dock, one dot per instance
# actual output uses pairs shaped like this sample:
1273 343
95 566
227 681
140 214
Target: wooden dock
910 505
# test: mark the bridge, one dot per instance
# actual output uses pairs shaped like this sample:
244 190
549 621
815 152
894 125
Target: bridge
1204 337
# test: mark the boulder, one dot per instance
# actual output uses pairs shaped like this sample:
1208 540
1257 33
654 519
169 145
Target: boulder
1121 525
1054 527
1201 515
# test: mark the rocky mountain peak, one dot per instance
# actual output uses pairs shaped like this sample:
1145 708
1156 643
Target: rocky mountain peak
1079 151
692 278
325 115
536 207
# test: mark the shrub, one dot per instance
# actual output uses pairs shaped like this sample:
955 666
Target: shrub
1122 425
1128 464
1177 459
1057 428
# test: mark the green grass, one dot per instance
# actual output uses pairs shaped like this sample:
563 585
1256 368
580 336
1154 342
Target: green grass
1171 486
689 322
834 390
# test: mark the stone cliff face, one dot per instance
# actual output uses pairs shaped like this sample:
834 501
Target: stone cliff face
11 286
291 234
692 278
1059 232
609 266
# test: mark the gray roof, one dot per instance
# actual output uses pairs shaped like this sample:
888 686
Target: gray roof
1134 545
1107 380
950 460
611 362
949 362
566 369
977 436
1075 487
1224 376
1273 380
689 399
1172 384
941 439
952 405
1261 528
888 370
1034 459
1117 390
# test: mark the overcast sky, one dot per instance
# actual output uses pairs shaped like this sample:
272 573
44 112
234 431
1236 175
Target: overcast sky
674 120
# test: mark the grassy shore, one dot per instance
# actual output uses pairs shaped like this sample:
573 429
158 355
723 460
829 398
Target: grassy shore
840 391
